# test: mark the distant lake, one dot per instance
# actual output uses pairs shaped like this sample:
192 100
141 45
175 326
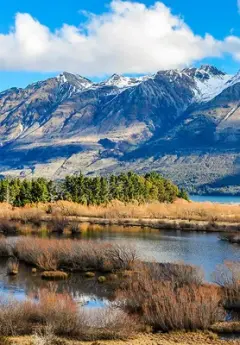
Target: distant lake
225 199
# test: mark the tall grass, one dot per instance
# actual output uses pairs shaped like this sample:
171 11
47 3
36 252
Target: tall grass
179 210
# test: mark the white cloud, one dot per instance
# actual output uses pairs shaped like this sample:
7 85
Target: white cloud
238 5
130 38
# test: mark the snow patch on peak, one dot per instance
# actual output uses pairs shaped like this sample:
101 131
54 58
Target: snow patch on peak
79 82
208 87
212 70
234 80
123 82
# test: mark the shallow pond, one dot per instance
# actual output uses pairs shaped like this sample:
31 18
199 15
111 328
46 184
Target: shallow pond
202 249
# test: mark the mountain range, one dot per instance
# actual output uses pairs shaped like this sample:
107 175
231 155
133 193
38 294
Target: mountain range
184 124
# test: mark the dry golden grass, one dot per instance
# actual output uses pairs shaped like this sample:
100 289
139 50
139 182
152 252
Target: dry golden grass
180 209
144 339
54 275
180 214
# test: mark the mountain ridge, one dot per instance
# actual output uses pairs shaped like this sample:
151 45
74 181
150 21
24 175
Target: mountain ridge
68 123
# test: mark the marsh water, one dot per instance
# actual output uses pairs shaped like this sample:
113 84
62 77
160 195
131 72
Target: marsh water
202 249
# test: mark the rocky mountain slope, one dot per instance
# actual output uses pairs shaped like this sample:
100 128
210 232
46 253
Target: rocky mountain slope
185 124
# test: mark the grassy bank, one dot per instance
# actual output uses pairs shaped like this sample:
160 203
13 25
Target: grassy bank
64 215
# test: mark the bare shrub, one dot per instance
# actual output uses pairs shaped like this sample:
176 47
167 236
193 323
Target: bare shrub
227 276
122 256
109 323
8 227
75 228
178 273
14 318
59 315
59 223
5 248
37 252
170 305
12 266
51 254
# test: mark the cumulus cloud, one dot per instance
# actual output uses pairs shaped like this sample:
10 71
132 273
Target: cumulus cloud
129 38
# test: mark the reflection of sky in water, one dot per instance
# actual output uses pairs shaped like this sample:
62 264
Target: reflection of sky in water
11 293
96 303
87 301
201 249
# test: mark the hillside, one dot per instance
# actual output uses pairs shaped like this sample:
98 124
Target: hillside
184 124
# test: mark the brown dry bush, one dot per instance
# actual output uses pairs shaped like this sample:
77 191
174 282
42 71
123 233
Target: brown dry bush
5 248
50 255
227 276
14 318
59 223
178 273
109 323
63 316
8 227
170 305
12 266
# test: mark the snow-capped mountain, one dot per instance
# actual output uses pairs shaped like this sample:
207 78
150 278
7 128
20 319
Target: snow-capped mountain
68 123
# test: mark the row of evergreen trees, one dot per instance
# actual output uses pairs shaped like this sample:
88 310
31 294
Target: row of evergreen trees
91 190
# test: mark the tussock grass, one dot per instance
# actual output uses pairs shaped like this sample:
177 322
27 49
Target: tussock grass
54 275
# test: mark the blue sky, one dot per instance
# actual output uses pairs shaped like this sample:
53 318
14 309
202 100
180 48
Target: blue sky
93 53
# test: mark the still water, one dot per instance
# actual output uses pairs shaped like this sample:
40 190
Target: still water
225 199
202 249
